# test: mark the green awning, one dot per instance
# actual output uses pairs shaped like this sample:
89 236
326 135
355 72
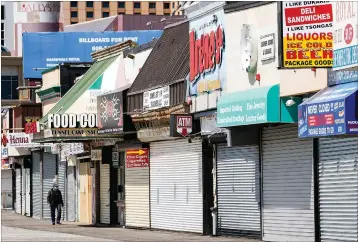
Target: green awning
88 79
253 106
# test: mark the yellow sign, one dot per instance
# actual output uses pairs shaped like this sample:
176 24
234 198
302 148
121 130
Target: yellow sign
136 152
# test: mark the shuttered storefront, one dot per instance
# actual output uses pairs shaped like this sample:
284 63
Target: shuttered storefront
338 189
238 190
49 173
137 197
288 194
176 194
23 192
62 182
36 186
105 194
71 193
18 190
27 191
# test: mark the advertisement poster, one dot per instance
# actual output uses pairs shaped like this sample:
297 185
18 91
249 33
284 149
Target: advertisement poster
45 50
345 27
137 158
207 54
307 34
157 98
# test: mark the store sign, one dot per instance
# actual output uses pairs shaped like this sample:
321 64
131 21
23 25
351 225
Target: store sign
110 113
333 111
341 77
115 159
207 54
32 125
5 163
137 158
65 121
96 154
157 98
267 47
18 140
345 34
307 34
4 152
208 125
184 125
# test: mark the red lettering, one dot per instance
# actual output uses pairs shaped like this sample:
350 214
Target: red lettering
291 54
205 52
327 54
309 36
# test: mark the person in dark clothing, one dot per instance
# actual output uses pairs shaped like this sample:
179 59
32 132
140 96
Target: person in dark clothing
54 199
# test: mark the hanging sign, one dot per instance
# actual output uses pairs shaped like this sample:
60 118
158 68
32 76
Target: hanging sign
110 113
157 98
307 34
184 125
137 158
115 159
96 154
32 125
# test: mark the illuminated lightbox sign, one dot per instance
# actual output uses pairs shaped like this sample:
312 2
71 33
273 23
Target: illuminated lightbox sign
65 121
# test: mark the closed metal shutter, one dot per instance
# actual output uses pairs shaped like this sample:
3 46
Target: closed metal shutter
71 193
62 182
338 189
137 197
18 191
105 194
176 194
288 194
238 190
23 191
36 186
27 192
49 173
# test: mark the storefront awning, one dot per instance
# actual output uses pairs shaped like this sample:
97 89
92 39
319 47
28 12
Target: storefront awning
254 106
332 111
88 79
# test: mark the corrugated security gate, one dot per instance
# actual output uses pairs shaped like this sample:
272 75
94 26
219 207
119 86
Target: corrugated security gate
288 190
137 196
238 190
27 191
18 190
62 182
36 186
176 193
105 217
71 193
23 191
49 173
338 189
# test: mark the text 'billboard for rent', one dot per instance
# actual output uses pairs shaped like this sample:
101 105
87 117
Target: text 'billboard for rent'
45 50
307 34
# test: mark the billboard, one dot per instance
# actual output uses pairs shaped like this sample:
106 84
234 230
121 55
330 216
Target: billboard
45 50
307 34
345 34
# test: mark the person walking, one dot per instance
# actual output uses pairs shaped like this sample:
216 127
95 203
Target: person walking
54 199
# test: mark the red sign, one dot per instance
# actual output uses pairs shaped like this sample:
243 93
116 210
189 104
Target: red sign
184 125
309 15
31 125
205 52
137 158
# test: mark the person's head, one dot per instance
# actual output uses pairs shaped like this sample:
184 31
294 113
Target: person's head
55 186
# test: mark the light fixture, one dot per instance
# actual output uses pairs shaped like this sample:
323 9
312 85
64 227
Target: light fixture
149 23
290 102
163 20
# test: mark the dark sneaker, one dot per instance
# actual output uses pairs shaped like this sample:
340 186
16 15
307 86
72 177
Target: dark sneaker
59 223
53 223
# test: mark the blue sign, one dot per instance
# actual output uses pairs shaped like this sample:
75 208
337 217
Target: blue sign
332 111
345 57
45 50
341 76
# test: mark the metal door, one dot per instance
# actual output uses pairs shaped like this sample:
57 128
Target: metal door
18 191
27 192
176 194
71 193
338 189
36 186
49 173
105 194
23 190
62 182
288 190
238 190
